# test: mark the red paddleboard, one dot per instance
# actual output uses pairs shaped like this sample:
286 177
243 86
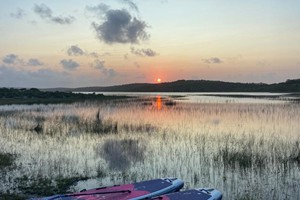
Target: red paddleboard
134 191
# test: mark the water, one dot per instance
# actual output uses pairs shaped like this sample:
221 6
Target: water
246 149
209 97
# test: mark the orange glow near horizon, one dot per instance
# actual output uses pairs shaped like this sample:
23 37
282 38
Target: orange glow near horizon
158 80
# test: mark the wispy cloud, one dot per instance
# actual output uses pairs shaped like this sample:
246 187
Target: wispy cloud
15 60
100 65
34 62
11 59
213 60
120 27
63 20
131 4
98 10
143 52
69 64
74 50
18 14
46 13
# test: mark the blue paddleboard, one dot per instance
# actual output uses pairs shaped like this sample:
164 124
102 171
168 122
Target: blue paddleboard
194 194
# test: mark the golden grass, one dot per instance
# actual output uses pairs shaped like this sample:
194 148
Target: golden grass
248 151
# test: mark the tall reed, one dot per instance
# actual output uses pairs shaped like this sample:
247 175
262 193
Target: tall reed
248 151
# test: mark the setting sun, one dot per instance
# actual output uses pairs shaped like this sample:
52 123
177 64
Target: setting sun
158 80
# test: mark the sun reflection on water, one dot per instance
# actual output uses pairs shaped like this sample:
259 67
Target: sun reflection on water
158 102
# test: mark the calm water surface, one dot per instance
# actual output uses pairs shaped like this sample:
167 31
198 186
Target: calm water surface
211 97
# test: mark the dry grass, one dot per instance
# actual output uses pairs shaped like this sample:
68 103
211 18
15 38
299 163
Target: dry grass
248 151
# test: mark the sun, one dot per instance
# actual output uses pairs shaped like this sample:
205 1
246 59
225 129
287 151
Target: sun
158 80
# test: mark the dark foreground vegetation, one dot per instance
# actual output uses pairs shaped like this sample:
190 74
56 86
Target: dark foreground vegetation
289 86
35 96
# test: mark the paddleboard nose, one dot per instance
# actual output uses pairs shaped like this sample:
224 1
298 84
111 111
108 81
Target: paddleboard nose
176 182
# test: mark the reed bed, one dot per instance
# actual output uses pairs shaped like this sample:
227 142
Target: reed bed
248 151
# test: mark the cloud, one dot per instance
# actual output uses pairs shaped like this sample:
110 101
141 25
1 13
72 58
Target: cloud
46 13
99 10
100 65
143 52
120 27
34 62
102 8
12 77
74 50
131 4
94 54
11 59
109 72
43 11
19 14
63 20
213 60
69 64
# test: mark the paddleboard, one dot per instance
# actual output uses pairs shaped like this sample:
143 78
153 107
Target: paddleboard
194 194
135 191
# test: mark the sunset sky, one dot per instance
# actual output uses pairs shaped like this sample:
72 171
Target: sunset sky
51 43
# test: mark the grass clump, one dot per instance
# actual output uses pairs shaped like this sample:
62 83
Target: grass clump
244 158
44 186
143 128
295 155
99 125
8 196
6 160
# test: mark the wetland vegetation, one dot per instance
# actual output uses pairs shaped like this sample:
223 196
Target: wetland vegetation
36 96
246 150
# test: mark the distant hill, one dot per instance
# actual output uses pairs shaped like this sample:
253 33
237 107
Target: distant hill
193 86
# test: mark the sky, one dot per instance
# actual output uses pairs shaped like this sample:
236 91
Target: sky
78 43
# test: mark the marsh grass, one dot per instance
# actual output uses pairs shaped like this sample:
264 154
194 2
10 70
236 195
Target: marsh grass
41 186
248 151
6 160
242 158
8 196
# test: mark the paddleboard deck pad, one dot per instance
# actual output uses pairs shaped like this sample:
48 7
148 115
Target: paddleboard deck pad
194 194
135 191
